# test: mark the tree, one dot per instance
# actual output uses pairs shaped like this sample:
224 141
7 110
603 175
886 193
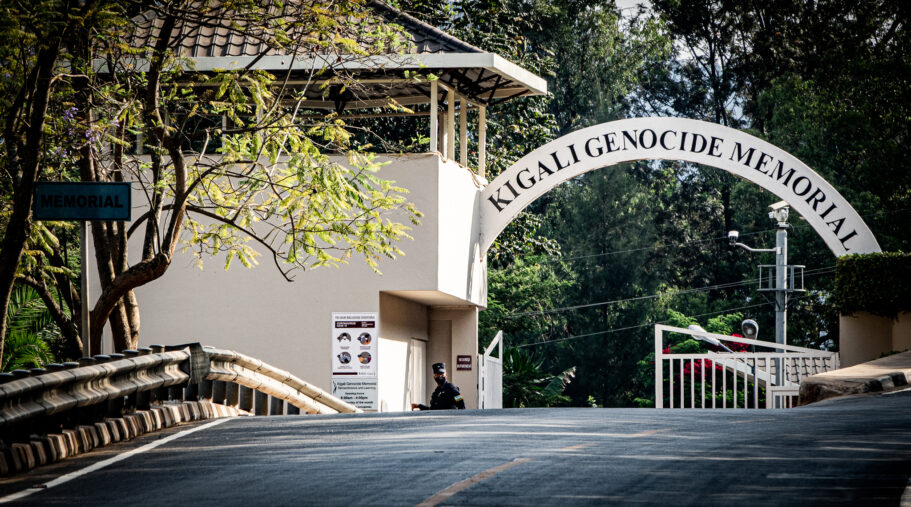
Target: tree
261 176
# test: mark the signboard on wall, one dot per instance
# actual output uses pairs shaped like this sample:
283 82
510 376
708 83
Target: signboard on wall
354 358
463 362
360 392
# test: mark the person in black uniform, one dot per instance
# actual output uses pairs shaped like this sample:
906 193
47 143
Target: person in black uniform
445 396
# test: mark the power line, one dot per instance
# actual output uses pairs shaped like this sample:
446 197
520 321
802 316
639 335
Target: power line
647 324
802 224
811 272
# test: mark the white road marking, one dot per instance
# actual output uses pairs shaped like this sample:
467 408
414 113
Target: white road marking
906 496
102 464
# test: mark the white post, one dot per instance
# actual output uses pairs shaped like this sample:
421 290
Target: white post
482 140
463 131
450 124
84 287
659 371
434 118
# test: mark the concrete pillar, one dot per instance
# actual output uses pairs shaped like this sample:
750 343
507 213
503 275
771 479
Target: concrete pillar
482 141
434 116
450 124
463 131
457 328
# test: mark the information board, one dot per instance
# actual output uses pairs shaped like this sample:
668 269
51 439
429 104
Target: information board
354 358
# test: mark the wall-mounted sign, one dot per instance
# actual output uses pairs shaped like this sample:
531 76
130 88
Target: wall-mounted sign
463 362
354 344
82 201
354 358
360 392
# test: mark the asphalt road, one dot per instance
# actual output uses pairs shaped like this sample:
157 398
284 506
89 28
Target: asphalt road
850 451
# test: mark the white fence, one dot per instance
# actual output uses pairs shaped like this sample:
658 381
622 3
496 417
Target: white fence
490 372
769 378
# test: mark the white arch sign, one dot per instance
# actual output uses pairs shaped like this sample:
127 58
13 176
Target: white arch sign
739 153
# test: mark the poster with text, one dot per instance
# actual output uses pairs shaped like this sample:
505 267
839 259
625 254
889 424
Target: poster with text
360 392
354 345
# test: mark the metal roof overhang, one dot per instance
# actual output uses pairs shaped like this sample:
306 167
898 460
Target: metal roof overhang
511 79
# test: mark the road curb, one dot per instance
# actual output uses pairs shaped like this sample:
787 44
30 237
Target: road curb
882 375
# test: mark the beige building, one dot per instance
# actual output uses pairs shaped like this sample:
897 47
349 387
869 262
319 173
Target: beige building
427 301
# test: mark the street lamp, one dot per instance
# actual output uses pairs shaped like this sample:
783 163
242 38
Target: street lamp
705 338
785 277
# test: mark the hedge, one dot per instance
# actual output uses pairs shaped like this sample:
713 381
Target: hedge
878 283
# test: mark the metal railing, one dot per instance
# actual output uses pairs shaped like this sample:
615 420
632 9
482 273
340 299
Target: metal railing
47 414
765 379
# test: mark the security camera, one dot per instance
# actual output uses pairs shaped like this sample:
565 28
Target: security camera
732 237
778 205
779 211
750 329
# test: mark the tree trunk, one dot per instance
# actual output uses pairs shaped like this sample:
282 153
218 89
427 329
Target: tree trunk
20 223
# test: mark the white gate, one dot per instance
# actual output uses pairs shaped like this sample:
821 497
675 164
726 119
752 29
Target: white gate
490 375
769 379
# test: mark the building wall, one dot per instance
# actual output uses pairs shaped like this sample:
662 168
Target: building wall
257 312
864 337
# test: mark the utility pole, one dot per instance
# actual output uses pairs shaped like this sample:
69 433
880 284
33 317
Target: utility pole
779 278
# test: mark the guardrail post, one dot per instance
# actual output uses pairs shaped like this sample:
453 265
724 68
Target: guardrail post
175 393
205 390
276 406
162 393
192 392
261 403
232 393
218 391
246 399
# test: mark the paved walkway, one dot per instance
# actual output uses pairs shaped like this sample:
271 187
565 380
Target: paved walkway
885 374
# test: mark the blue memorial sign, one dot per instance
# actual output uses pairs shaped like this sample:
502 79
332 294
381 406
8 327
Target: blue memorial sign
107 201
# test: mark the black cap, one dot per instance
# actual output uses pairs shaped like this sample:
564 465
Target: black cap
439 368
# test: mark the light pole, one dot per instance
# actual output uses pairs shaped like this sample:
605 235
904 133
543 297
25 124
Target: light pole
784 276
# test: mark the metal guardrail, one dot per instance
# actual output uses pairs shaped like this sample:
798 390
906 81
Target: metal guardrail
113 397
769 379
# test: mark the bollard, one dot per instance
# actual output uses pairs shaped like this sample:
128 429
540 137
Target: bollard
144 351
205 390
55 367
6 377
245 401
218 391
276 406
37 371
261 404
232 392
101 358
292 410
86 361
130 353
116 357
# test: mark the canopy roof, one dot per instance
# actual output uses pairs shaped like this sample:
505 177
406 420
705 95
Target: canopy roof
485 78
